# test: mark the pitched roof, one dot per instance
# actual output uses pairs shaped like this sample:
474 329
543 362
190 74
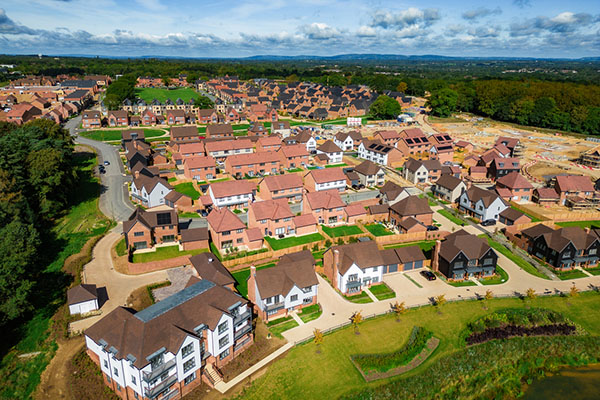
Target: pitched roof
223 220
252 158
412 205
194 234
184 131
283 182
560 238
327 175
221 145
329 147
536 230
547 193
294 150
304 220
151 218
325 199
352 210
387 134
391 190
471 246
449 182
512 215
367 168
363 254
410 254
143 181
290 271
514 180
199 162
574 183
163 325
475 194
81 293
379 209
271 209
219 129
208 266
232 188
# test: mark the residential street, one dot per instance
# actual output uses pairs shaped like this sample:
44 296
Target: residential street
114 199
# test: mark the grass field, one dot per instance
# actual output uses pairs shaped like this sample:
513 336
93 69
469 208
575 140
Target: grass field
149 94
121 248
241 278
581 224
516 259
163 253
451 217
382 291
188 189
305 374
378 230
336 165
110 135
278 244
276 330
343 230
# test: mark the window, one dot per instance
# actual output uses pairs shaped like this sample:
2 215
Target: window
115 371
105 364
133 380
222 328
189 379
189 364
592 252
566 254
294 298
240 240
488 261
108 378
375 280
226 233
224 341
224 354
136 396
138 234
240 230
375 269
306 289
187 350
459 264
118 387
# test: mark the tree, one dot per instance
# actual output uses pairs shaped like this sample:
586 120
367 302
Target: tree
442 102
291 78
356 319
487 297
385 108
573 292
399 309
530 293
440 301
402 86
166 81
204 102
318 339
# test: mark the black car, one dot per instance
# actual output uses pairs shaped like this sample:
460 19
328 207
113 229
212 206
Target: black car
430 276
433 228
488 222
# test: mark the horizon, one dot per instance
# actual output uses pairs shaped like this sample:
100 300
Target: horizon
316 28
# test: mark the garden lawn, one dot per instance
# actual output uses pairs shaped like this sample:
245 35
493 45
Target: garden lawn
343 230
188 215
305 374
567 275
593 271
527 267
278 244
121 247
382 291
451 217
164 253
110 135
310 313
149 94
378 230
424 245
188 189
276 330
336 165
360 298
581 224
501 277
241 278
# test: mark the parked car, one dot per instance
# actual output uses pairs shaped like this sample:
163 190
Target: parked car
204 213
430 276
488 222
433 228
106 162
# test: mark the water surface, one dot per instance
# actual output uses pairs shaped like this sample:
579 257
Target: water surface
569 383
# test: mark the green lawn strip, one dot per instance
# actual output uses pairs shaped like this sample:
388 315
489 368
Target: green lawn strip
593 271
343 230
318 254
304 373
413 281
121 248
360 298
378 230
279 321
526 266
533 219
382 291
278 244
501 277
188 215
278 329
188 189
567 275
457 283
162 94
451 217
202 129
295 170
241 278
310 313
164 253
115 135
581 224
336 165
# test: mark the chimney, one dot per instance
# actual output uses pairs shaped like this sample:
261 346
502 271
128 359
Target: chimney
252 285
136 174
587 230
336 259
434 256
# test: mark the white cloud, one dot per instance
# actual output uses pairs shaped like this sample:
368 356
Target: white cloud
366 31
405 18
319 31
480 12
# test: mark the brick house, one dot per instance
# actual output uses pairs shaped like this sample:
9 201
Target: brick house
442 148
411 207
379 153
389 138
573 186
222 149
289 286
293 156
270 143
258 129
148 117
332 151
200 168
325 179
145 228
228 231
207 116
514 186
118 118
327 206
500 167
176 117
272 217
91 119
219 131
287 186
184 134
413 142
253 164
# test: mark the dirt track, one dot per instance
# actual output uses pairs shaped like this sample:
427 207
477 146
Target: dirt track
54 382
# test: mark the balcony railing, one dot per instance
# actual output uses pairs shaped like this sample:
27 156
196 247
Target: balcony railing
242 332
161 387
158 371
275 306
242 317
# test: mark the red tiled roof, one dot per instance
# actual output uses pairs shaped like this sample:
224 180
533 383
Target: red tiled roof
515 180
271 209
252 158
294 150
224 220
353 210
325 199
327 175
574 183
304 220
199 161
282 182
231 188
221 145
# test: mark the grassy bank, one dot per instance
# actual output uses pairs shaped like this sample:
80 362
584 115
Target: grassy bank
305 374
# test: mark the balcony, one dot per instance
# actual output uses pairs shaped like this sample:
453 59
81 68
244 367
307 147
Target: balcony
274 306
161 387
353 284
242 332
158 371
242 317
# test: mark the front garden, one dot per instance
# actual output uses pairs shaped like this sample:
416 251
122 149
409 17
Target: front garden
278 244
188 189
164 253
378 230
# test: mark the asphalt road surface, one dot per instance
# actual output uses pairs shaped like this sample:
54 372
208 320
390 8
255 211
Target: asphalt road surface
114 198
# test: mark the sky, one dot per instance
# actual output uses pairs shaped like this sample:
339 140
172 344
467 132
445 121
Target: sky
241 28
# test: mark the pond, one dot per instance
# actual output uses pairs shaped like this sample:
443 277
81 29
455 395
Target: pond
568 383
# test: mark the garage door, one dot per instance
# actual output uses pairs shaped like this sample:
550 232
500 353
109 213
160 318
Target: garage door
408 266
393 268
418 264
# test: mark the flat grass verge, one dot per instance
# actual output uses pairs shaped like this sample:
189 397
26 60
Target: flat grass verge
121 248
568 275
581 224
310 313
501 277
278 244
360 298
162 94
164 253
278 329
451 217
526 266
115 135
382 291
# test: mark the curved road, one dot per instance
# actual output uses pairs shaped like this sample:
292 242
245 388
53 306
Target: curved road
114 197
